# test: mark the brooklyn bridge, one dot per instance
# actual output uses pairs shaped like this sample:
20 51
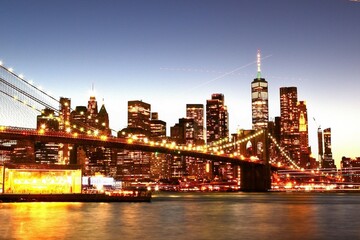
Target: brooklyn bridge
32 119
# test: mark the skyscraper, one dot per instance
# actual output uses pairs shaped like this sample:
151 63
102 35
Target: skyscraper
328 161
289 122
303 135
47 152
102 121
196 112
158 127
139 115
259 99
64 114
217 126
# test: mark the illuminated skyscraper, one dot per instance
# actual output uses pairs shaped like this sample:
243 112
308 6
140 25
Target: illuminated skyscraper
217 126
303 135
47 152
328 161
102 121
290 138
64 115
139 115
92 111
196 112
158 127
259 99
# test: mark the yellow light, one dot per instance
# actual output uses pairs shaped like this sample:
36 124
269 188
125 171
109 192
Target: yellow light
207 167
130 141
41 131
75 134
103 137
68 130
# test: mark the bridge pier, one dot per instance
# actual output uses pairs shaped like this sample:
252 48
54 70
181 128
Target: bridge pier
255 178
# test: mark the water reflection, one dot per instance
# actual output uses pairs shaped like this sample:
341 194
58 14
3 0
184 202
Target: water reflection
189 216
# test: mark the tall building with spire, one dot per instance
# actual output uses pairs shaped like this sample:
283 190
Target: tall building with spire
92 109
259 99
102 121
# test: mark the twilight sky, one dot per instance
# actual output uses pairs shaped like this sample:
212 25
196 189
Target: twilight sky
170 53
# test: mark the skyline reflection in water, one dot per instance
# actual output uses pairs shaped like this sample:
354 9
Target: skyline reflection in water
189 216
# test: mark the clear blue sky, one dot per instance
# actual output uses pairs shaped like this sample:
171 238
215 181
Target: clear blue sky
170 53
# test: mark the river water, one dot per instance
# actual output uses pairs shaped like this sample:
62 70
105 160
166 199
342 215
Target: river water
190 216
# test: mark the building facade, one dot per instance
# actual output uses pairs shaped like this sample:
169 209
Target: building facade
217 125
303 135
196 112
139 115
290 136
259 100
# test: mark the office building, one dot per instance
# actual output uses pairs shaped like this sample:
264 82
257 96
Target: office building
328 161
303 135
196 112
259 99
139 115
217 126
290 137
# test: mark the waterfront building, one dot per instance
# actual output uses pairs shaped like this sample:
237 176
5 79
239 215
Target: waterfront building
217 125
259 99
41 178
290 136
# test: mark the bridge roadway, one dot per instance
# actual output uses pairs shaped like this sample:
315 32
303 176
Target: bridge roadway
15 133
255 176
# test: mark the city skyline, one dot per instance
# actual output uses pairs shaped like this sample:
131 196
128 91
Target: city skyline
173 54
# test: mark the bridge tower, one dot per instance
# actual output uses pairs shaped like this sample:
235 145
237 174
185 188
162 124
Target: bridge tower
257 177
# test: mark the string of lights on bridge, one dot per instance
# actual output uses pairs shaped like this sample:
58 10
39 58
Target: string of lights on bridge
69 128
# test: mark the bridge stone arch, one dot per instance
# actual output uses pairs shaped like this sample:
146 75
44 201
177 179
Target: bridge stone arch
254 177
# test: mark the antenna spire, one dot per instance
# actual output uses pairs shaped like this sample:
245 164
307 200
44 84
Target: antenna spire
92 90
258 64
